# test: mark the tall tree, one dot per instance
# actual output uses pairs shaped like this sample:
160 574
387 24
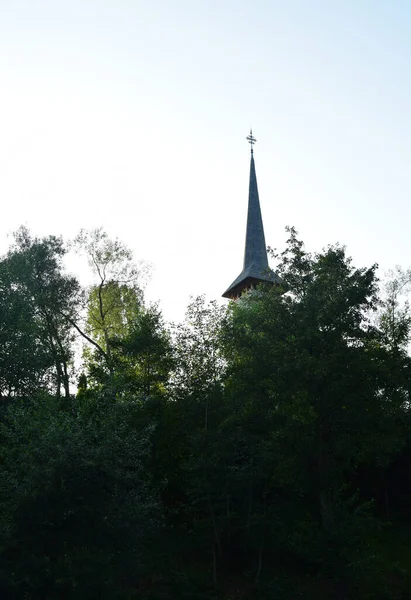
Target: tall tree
115 298
186 442
308 368
394 317
25 360
112 311
40 299
144 352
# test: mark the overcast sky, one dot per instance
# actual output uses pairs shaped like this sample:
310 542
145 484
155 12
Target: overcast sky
132 115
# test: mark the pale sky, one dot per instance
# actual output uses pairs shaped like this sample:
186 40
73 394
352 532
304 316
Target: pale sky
132 115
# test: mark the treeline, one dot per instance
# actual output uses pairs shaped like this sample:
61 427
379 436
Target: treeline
257 450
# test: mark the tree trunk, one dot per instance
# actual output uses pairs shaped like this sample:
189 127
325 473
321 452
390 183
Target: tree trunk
63 364
214 567
260 561
325 496
59 356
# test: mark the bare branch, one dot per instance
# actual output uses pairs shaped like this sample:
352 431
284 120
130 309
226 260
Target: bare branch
85 336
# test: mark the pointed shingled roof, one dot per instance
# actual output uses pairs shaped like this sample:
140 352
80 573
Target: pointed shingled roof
255 267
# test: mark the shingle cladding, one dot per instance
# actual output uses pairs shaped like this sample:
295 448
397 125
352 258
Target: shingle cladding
255 267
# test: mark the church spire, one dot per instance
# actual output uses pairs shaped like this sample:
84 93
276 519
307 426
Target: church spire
255 267
255 253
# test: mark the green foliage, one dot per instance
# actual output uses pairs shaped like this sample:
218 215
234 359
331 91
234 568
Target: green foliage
321 396
129 344
199 359
137 353
112 311
76 505
145 354
24 360
394 315
37 300
256 450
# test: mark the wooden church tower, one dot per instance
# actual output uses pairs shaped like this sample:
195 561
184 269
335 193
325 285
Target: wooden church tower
255 267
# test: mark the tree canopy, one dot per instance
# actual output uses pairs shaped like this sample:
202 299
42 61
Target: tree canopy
258 449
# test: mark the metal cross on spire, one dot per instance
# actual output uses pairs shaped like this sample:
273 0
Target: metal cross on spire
251 140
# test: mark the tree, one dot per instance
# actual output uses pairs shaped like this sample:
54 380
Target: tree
38 302
199 361
144 352
319 392
111 313
131 350
25 361
116 297
77 508
394 316
140 346
197 407
254 450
